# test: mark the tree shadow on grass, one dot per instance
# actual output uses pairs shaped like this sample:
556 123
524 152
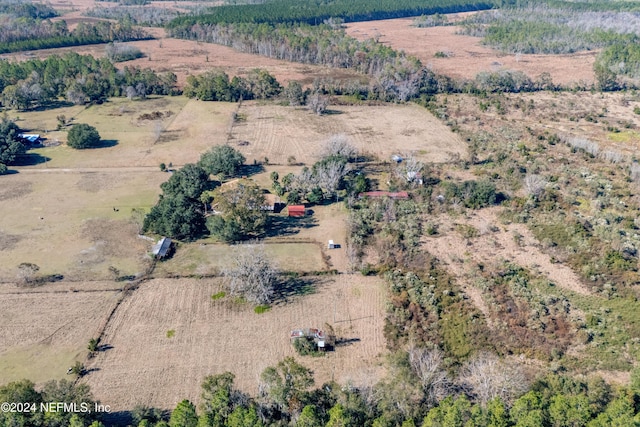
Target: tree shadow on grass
295 286
30 159
105 143
288 226
250 170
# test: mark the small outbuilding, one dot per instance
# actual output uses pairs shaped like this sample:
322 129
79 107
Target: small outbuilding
296 210
272 203
161 249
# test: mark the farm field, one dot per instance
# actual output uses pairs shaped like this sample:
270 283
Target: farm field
43 331
468 56
201 259
145 366
278 132
81 201
139 133
65 222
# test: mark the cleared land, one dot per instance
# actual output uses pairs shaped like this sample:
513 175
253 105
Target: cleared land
70 211
278 132
146 367
43 331
197 259
138 133
66 223
186 57
467 55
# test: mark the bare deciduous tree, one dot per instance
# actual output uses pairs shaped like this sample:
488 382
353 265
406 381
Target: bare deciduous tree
338 145
157 129
330 174
131 92
534 184
410 169
489 377
427 365
252 274
318 103
26 272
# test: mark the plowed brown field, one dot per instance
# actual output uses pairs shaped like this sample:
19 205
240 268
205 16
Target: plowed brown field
145 366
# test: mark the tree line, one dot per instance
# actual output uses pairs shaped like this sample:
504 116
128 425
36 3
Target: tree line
417 391
25 9
19 34
76 78
293 11
216 86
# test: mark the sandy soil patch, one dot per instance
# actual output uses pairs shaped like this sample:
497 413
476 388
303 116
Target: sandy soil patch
496 242
278 132
44 330
146 367
468 55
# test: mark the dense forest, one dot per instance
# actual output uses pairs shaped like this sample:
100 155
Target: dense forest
289 11
77 78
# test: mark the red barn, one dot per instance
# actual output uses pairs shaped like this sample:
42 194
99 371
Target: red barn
297 210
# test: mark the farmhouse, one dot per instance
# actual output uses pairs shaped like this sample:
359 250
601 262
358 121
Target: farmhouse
29 138
272 203
400 195
161 249
296 210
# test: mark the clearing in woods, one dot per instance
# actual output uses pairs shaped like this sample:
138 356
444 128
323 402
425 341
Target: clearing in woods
149 366
278 132
188 57
466 55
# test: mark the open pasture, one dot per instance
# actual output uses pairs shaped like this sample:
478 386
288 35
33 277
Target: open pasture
136 133
198 259
145 366
278 132
466 55
44 330
67 222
